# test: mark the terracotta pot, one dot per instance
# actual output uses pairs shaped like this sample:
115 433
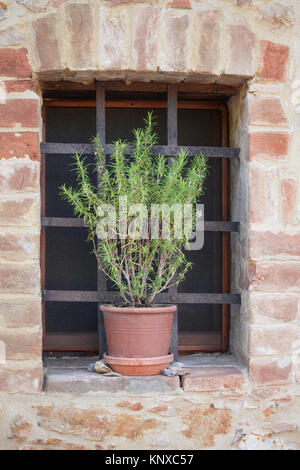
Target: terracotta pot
138 339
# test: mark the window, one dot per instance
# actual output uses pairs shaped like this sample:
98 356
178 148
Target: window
73 287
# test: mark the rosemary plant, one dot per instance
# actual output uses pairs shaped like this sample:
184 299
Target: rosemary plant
140 267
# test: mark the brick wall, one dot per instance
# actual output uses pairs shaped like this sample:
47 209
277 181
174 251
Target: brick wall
236 42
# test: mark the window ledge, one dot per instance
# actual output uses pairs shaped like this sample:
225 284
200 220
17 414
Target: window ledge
209 372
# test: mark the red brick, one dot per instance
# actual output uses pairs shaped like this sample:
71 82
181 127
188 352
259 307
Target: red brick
24 113
204 379
14 63
145 38
276 277
20 313
186 4
272 371
268 145
273 61
19 86
242 45
289 190
19 144
19 278
21 345
267 112
272 340
263 195
23 211
281 308
209 48
272 245
21 378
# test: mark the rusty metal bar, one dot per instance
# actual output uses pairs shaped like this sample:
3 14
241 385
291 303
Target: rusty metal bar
53 148
101 280
177 298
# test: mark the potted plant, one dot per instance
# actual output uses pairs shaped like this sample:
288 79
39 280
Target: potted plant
140 253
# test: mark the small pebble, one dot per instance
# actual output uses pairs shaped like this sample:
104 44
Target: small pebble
168 372
177 364
180 370
102 368
91 367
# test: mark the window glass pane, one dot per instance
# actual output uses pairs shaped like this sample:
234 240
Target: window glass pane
120 122
70 265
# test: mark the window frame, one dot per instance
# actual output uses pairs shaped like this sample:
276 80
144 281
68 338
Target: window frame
224 226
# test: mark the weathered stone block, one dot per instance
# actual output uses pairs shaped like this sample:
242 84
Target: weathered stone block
267 112
77 381
263 203
206 379
19 175
21 210
19 278
26 377
81 31
98 423
145 37
173 48
273 245
274 307
21 344
20 313
274 61
14 63
269 145
209 46
16 246
19 144
276 277
18 112
242 46
47 49
184 4
114 31
289 192
272 340
270 371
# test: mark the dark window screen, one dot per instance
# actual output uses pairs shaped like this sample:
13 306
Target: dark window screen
69 263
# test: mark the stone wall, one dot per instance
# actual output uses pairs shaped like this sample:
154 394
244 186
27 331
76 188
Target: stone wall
252 44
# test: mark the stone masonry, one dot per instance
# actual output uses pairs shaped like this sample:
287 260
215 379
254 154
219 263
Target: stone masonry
253 45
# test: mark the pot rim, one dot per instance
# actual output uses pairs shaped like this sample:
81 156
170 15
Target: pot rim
155 309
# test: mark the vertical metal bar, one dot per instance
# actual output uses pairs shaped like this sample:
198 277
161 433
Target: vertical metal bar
172 140
174 337
172 115
225 236
101 281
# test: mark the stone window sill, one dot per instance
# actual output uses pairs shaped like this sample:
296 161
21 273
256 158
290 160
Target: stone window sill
209 372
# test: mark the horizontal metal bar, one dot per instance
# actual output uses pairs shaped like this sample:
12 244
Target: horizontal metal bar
209 226
177 298
61 222
168 150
